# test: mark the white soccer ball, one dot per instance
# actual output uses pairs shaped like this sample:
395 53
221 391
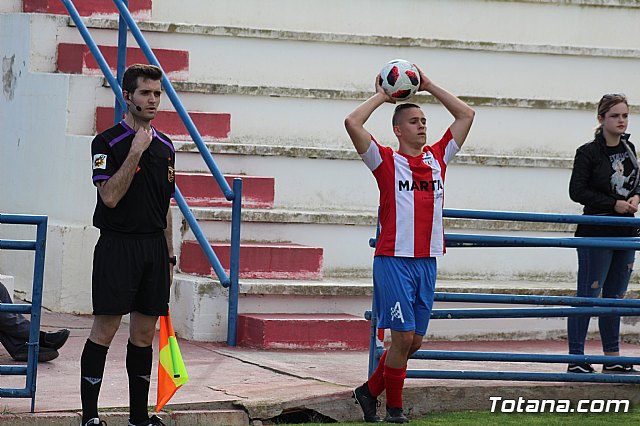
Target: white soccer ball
400 79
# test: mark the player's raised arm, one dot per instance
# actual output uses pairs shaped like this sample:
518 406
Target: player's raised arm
462 113
354 123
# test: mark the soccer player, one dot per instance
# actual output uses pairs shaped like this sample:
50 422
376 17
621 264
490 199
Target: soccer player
133 170
411 184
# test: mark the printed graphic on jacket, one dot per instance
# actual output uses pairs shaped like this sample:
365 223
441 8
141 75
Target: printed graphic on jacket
623 179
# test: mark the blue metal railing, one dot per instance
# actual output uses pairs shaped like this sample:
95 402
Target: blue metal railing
234 195
33 309
577 305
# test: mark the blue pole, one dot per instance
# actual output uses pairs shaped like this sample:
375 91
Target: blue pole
202 239
122 62
464 240
374 352
530 312
17 245
539 300
541 217
13 370
68 4
182 112
234 267
528 377
523 357
36 302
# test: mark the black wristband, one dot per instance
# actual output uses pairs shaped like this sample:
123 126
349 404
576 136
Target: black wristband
173 260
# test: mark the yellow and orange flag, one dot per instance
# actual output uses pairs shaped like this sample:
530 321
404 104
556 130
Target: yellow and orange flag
171 370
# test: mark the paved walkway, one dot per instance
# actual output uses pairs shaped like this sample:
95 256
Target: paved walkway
254 385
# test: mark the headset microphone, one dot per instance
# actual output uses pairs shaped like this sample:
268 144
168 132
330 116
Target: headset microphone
131 100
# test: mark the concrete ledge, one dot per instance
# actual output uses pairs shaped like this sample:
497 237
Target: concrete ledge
370 40
360 95
41 419
173 418
368 218
363 286
631 4
9 283
236 147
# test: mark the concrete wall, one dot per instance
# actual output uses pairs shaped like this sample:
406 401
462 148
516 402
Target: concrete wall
44 171
574 22
10 6
532 70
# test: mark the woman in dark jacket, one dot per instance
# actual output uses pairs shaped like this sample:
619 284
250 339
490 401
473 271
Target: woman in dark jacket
605 180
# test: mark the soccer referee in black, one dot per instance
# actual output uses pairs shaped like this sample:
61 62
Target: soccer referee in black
133 171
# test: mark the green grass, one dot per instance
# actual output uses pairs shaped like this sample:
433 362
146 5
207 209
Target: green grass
486 418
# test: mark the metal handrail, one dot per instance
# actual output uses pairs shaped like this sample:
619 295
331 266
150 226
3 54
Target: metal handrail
34 308
126 20
578 305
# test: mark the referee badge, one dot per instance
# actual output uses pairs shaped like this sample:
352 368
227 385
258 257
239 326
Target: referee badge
171 175
99 161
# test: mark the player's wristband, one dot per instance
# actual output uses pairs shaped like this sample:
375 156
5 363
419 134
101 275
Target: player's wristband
173 260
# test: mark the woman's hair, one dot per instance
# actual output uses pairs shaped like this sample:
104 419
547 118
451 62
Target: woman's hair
607 102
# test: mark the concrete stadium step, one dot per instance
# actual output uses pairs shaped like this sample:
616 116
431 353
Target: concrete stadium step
547 21
344 238
259 260
211 125
140 9
261 113
199 305
202 190
77 59
302 180
547 68
227 417
303 331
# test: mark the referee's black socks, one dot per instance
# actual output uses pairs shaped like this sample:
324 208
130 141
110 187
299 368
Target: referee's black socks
91 372
139 370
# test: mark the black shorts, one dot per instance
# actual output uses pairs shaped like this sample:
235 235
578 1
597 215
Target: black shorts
130 273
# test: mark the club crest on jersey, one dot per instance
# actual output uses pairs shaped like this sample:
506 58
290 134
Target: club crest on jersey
171 174
100 161
427 159
396 312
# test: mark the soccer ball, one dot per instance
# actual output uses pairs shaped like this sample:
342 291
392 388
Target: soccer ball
400 79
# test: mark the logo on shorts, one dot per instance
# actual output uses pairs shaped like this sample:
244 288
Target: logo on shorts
100 161
171 175
396 312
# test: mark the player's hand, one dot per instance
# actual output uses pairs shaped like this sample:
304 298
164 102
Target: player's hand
624 207
424 81
634 201
142 140
380 90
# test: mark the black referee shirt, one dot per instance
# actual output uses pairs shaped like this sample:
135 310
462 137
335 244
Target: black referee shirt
143 209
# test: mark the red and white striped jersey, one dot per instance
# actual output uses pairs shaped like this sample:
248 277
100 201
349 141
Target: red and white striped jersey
411 197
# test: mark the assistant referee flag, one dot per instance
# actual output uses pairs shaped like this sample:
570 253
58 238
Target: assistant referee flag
172 373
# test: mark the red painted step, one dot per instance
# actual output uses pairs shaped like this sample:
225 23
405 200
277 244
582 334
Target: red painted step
211 125
201 190
303 331
140 9
257 260
77 59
